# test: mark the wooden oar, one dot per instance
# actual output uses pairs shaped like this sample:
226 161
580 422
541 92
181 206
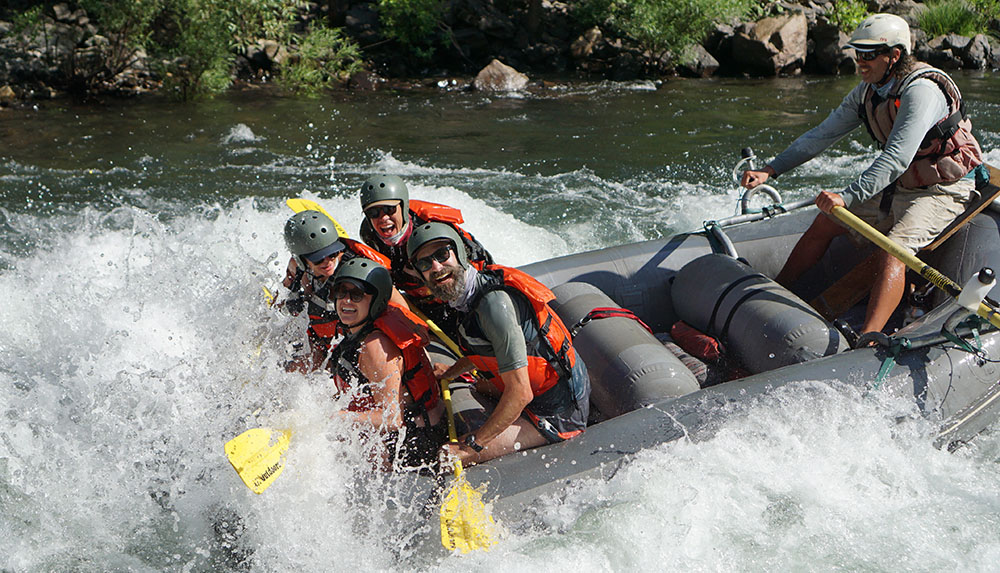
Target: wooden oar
299 204
923 269
465 523
258 456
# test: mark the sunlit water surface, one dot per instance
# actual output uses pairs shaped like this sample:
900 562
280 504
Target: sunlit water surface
135 238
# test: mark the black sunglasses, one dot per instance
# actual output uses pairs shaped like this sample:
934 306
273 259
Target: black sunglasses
441 255
344 291
379 210
869 56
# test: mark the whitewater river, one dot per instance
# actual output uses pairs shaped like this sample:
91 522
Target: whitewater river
135 237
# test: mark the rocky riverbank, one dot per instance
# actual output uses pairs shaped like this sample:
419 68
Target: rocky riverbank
70 55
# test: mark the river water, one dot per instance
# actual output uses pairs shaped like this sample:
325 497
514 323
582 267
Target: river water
135 238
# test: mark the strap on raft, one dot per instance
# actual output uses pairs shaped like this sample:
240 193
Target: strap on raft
606 312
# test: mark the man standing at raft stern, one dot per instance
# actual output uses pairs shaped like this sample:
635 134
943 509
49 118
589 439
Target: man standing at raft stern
390 217
920 181
509 332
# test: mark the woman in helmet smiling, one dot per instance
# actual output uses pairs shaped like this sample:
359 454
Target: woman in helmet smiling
381 365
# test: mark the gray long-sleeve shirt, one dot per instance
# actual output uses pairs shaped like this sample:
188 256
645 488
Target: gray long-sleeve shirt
922 105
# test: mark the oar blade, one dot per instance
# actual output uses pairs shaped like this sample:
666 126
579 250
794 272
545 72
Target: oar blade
465 523
299 204
258 456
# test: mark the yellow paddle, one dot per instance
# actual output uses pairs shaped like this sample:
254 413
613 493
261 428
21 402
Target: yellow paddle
299 204
465 523
258 456
888 245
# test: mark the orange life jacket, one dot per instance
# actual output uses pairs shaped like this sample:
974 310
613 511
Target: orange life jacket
550 351
948 151
409 334
361 249
423 212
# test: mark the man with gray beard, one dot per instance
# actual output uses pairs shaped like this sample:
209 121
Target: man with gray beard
508 332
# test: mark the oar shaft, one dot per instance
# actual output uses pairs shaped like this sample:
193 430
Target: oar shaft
910 260
452 433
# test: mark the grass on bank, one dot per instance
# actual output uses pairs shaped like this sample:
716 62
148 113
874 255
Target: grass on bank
966 18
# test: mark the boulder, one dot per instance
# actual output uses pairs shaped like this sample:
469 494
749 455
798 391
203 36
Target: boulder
831 56
955 42
696 62
772 46
499 77
583 46
62 12
976 54
7 95
364 81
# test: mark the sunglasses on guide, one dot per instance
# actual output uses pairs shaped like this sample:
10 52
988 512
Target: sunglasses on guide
441 255
379 210
344 291
869 56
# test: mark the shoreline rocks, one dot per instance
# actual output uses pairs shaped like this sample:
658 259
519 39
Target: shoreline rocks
69 55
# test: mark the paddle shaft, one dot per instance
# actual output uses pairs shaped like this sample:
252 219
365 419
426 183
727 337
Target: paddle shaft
907 258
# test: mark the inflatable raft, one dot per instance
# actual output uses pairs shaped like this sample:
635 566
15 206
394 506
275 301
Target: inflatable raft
717 281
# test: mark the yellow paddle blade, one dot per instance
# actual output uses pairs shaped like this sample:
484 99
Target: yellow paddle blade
465 525
258 456
299 204
268 296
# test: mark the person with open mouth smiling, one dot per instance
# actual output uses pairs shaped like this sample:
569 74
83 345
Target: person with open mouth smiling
508 332
390 217
927 170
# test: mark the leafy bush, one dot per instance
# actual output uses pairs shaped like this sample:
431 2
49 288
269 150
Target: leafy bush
988 9
847 14
666 26
322 58
412 23
951 17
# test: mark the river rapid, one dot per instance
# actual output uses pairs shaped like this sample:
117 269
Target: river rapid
136 237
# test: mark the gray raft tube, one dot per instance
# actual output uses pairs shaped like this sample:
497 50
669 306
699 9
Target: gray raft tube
762 325
637 275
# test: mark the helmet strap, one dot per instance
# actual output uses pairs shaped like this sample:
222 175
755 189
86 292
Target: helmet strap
891 67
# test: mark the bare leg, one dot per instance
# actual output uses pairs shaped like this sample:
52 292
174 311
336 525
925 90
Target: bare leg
886 293
810 248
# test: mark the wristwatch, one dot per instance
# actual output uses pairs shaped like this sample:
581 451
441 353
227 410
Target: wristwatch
470 441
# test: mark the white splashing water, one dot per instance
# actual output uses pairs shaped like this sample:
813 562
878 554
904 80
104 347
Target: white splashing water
130 357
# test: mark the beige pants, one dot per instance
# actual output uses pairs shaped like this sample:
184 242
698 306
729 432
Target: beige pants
917 216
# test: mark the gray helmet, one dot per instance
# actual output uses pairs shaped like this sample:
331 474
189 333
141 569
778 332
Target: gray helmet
312 235
433 232
372 277
384 188
881 30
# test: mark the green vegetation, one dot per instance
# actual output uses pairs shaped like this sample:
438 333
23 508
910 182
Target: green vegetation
192 45
412 23
847 14
951 17
989 10
666 27
323 58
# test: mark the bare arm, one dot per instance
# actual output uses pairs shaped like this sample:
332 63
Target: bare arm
382 364
516 396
